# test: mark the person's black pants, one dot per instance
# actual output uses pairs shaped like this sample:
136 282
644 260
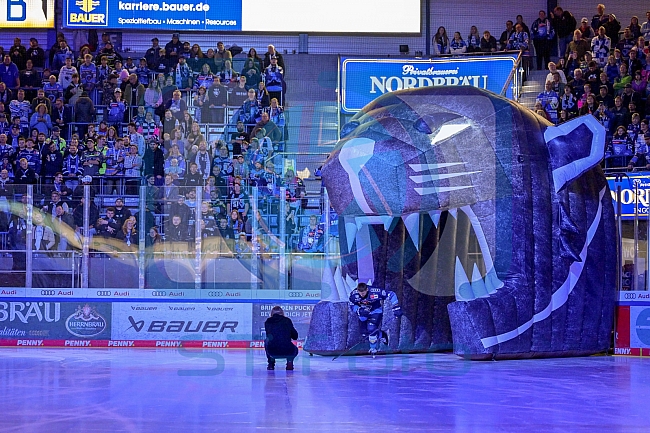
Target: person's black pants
542 52
271 357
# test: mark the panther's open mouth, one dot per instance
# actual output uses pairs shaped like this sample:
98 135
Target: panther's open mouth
461 263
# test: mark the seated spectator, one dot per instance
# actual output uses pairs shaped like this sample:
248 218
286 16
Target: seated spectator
41 121
457 45
109 226
295 190
238 201
242 247
129 234
236 223
473 40
640 154
176 230
488 43
311 237
518 41
24 174
271 131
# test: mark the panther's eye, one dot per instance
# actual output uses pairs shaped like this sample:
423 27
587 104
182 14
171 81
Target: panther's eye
348 128
422 126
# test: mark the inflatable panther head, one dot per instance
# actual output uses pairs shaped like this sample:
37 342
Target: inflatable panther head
494 227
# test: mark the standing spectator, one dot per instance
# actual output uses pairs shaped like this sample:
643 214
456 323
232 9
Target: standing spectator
578 45
116 110
132 169
274 80
73 92
18 54
9 73
587 32
66 73
134 94
182 74
543 35
600 47
173 48
645 28
152 56
84 113
635 28
153 98
30 80
273 52
564 24
252 73
153 162
612 27
441 42
176 105
21 109
220 56
626 44
568 102
36 54
88 74
600 18
41 99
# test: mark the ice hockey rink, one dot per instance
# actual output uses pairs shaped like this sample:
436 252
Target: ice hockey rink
141 390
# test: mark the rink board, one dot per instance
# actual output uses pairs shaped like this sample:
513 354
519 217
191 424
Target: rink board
146 324
632 336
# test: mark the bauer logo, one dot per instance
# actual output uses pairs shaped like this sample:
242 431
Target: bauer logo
93 13
85 322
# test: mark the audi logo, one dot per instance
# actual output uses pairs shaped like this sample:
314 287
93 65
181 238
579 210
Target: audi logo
158 293
48 292
296 294
215 294
103 293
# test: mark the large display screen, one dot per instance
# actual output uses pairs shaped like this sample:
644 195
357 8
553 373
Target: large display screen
364 79
335 16
27 14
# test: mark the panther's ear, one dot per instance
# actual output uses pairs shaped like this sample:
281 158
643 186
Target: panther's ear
574 148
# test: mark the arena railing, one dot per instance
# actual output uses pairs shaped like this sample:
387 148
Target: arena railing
41 252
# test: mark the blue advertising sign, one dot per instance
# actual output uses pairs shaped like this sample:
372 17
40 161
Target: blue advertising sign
158 14
55 320
637 185
363 79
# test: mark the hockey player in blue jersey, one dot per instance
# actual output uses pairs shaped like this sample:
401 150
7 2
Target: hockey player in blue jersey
366 302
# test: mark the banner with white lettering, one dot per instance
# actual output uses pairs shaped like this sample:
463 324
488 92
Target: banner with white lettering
364 79
186 321
300 315
55 320
635 189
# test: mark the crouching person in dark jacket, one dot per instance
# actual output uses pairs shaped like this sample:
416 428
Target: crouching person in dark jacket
279 333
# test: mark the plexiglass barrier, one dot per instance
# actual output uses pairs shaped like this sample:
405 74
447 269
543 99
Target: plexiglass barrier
166 242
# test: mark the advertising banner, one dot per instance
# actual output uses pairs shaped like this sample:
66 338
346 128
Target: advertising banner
364 79
27 14
241 15
175 321
144 15
55 320
632 336
635 188
300 315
